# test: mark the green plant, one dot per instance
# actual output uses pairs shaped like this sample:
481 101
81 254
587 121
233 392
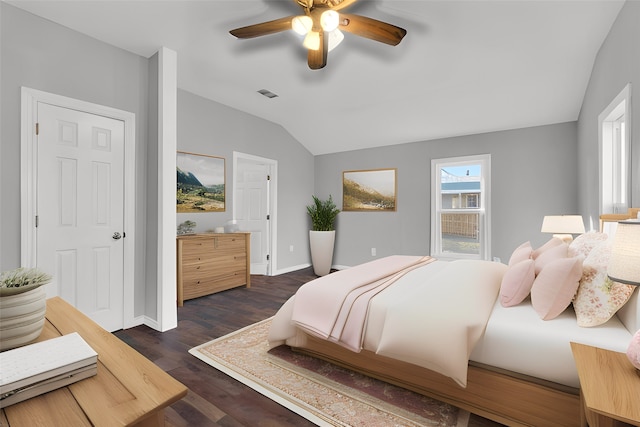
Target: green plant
22 280
323 214
186 227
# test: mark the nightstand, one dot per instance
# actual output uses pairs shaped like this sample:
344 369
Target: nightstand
609 387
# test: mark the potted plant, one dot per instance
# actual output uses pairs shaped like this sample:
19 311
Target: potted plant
23 306
322 236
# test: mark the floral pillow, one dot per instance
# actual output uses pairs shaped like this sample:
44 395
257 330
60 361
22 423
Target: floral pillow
582 245
599 298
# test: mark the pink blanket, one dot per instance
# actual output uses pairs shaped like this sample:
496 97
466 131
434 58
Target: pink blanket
334 307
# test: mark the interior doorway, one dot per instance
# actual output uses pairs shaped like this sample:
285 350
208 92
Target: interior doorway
254 206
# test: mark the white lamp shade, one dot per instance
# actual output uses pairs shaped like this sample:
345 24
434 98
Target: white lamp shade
624 265
329 20
563 224
312 40
301 24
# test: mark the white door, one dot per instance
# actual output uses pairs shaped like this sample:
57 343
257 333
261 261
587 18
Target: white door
80 210
252 210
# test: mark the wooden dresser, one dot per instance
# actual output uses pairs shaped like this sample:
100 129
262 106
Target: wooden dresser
212 262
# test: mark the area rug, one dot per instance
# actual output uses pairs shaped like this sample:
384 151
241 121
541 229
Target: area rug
321 392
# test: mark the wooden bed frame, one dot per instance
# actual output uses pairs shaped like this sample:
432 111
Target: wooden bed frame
502 396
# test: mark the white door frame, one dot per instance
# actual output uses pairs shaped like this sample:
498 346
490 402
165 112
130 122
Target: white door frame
273 198
28 182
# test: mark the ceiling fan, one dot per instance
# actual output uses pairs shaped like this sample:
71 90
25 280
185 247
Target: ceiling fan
321 25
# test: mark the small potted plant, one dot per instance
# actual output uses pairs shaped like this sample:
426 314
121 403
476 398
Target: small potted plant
22 280
23 306
322 236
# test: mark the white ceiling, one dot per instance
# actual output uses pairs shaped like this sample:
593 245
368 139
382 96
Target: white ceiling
464 67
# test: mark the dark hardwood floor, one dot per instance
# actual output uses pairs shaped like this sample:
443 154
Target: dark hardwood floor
214 399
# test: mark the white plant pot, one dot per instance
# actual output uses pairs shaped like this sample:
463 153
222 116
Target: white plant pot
22 317
321 243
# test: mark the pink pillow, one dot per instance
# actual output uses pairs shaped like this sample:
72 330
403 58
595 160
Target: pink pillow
521 253
555 287
555 241
550 255
598 298
633 352
516 283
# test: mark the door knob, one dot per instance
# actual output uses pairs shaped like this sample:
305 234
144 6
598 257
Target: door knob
116 236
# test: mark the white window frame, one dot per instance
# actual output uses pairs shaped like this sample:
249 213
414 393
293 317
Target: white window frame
614 154
484 211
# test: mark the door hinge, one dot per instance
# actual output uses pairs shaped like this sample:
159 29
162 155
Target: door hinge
268 217
37 128
268 177
37 221
124 234
267 257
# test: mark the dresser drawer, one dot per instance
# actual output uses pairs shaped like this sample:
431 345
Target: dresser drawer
214 266
207 248
194 287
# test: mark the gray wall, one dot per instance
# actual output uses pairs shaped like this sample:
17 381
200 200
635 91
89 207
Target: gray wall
42 55
533 173
207 127
617 64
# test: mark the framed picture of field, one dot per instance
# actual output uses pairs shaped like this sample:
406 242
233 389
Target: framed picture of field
201 183
369 190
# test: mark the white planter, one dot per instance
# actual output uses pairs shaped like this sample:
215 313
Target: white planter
22 317
321 243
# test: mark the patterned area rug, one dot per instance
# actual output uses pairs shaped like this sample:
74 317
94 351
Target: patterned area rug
323 393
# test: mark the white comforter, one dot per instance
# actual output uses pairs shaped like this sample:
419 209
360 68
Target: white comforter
432 316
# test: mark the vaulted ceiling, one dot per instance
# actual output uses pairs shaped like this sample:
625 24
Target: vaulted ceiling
464 67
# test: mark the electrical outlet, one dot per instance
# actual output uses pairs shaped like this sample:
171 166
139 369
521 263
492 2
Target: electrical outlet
373 251
290 248
496 259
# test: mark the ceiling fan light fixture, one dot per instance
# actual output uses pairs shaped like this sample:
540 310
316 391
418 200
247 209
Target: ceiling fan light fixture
335 38
329 20
301 24
312 40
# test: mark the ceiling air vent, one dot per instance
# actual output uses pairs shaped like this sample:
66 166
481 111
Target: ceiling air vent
267 93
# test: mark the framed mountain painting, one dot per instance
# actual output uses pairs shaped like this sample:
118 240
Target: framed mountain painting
200 184
369 190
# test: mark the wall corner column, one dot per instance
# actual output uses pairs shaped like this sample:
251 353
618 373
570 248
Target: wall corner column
167 143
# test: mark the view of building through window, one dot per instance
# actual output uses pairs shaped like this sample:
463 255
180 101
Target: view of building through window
459 223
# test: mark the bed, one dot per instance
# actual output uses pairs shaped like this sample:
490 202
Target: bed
440 328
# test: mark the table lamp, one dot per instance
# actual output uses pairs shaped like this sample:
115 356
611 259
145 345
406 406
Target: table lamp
563 226
624 267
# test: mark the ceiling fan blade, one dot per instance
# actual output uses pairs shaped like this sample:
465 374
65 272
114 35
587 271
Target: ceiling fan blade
263 29
318 58
371 28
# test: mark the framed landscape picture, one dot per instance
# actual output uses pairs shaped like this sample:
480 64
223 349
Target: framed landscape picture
201 183
369 190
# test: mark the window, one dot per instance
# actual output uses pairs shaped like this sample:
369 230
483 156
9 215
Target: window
613 123
460 207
